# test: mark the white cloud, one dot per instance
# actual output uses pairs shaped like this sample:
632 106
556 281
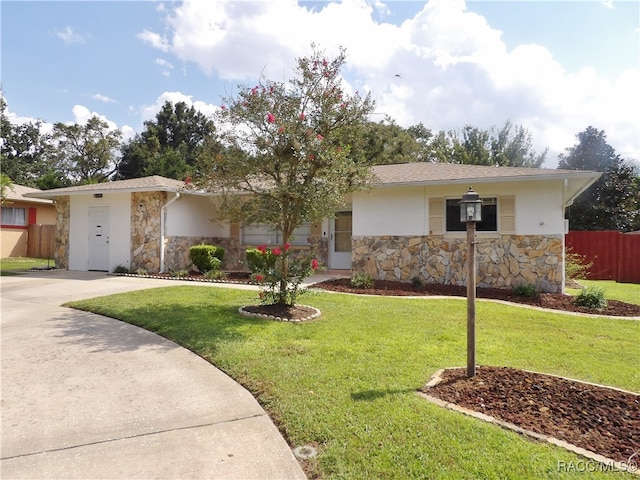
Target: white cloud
68 36
148 112
153 39
454 68
102 98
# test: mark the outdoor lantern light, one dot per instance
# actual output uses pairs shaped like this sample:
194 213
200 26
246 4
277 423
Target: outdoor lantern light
470 207
470 213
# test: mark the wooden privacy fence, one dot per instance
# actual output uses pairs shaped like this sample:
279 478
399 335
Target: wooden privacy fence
41 241
615 255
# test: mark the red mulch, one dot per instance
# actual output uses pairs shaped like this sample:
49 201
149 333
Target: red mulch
599 419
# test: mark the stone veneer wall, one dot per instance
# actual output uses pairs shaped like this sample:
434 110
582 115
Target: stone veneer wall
177 251
146 212
503 262
63 216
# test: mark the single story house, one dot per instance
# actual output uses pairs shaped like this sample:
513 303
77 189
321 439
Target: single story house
19 212
405 226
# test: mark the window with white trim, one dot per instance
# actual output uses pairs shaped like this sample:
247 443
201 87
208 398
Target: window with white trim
14 216
489 221
261 234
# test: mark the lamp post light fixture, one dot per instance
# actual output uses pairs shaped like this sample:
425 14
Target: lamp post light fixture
470 213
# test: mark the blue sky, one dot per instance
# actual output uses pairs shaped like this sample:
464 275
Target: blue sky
553 67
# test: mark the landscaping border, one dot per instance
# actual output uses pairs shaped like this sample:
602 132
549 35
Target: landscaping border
436 378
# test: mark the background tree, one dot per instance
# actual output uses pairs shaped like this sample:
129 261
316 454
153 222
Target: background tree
170 145
87 153
387 142
613 201
27 154
289 150
5 186
509 146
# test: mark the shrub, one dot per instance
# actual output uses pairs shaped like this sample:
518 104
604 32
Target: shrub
141 271
204 257
215 274
121 269
592 298
260 259
180 273
416 281
576 265
525 290
279 275
361 280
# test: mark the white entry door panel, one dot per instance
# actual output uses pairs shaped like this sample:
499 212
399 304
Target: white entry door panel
99 238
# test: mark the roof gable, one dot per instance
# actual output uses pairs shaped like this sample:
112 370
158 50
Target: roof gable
144 184
16 193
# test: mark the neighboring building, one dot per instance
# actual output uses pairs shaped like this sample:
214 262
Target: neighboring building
406 225
18 213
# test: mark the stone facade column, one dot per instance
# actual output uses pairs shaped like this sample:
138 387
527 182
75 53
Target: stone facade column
146 234
63 216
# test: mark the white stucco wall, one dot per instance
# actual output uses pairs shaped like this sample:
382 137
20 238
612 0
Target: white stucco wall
194 216
405 210
119 229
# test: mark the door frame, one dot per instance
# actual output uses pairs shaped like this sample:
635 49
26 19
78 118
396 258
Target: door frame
339 260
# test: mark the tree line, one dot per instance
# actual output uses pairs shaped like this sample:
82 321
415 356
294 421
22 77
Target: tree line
182 143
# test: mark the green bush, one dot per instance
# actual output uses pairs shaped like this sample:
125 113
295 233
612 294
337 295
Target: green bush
361 280
215 274
592 298
525 290
180 273
204 257
416 281
259 260
121 269
576 265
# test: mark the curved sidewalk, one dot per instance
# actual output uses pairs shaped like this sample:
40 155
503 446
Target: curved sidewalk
85 396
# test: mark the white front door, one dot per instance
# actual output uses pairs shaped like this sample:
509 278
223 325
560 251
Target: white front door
340 231
99 238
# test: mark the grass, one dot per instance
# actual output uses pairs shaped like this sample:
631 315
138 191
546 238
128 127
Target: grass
13 265
624 292
346 383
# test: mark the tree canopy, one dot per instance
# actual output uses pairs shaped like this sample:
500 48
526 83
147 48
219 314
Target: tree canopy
170 145
510 146
86 153
613 201
288 147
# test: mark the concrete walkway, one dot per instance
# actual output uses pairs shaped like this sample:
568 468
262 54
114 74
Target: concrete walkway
88 397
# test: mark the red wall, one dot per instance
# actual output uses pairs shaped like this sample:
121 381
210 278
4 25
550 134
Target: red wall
615 255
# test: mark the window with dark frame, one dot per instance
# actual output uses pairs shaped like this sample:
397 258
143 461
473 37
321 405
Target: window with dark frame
489 221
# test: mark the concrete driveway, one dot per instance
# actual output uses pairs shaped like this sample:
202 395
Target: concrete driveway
88 397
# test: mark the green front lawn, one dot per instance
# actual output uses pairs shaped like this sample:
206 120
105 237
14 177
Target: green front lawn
347 382
13 265
624 292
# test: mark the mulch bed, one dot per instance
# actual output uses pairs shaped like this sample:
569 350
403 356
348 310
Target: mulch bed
602 420
556 301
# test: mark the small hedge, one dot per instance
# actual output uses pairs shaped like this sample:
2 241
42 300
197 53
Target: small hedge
258 261
206 257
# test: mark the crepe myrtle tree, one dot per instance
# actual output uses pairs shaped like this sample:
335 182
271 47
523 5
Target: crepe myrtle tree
288 159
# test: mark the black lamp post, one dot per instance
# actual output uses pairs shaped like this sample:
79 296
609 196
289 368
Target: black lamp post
470 213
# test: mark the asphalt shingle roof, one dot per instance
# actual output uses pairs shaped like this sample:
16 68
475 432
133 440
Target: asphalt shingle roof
425 173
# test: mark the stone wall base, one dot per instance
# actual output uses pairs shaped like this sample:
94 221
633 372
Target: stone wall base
504 261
